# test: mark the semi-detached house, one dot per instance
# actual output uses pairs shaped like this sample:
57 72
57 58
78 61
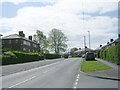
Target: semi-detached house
20 42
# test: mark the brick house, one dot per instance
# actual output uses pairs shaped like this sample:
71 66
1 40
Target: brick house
20 42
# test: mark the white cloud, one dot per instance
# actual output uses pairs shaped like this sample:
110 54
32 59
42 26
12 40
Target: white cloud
23 1
67 16
13 1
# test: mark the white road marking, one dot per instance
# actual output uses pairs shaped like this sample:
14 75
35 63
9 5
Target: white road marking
28 79
77 80
18 73
76 83
78 76
75 87
22 82
48 70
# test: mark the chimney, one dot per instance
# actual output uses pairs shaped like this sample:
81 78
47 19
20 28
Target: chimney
30 38
21 34
111 40
100 45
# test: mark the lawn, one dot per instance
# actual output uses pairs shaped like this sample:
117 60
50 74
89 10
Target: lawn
92 66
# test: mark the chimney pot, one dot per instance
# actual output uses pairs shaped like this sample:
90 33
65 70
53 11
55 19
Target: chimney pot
30 38
111 40
21 34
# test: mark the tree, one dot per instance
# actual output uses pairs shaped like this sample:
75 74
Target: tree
72 50
57 41
40 38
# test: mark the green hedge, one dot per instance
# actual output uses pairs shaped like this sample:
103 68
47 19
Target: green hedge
16 57
111 54
52 56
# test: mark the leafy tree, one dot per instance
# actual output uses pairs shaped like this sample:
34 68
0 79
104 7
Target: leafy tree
72 50
57 41
40 38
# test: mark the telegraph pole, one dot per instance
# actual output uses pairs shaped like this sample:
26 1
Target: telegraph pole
89 40
85 44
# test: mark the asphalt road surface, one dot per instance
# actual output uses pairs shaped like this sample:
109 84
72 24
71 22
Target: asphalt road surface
63 74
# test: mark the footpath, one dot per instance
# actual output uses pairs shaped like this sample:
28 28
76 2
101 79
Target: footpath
113 74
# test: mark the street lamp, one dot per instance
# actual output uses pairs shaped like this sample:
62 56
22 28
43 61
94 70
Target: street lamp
1 35
89 39
0 44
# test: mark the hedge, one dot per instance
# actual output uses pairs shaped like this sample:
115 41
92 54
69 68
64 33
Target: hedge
52 56
16 57
111 54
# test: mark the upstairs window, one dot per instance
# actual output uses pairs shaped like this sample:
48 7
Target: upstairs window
26 43
10 42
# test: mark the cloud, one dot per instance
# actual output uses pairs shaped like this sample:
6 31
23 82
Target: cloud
13 1
23 1
66 16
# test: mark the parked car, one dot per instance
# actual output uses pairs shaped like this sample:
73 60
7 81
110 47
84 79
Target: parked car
90 56
83 56
66 55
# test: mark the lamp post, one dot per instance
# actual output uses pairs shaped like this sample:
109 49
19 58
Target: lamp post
85 44
0 44
89 39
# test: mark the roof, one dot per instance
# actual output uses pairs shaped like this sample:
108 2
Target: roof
12 36
115 41
84 49
15 36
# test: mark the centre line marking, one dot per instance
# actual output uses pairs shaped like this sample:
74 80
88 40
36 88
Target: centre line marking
76 83
77 80
75 87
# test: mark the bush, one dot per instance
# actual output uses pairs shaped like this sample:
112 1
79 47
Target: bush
111 54
16 57
52 56
6 60
9 53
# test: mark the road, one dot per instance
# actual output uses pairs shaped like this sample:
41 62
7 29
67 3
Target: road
10 69
62 74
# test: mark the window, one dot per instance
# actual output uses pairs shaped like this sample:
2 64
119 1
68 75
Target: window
24 49
26 43
3 42
16 40
34 45
9 41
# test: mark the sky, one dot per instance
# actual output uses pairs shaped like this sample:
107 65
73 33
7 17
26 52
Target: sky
74 17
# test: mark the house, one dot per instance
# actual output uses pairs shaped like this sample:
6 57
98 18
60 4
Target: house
83 51
20 42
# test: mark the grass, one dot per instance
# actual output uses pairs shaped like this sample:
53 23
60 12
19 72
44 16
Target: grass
92 66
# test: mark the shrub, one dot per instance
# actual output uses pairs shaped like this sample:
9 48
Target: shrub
6 60
52 56
111 54
15 57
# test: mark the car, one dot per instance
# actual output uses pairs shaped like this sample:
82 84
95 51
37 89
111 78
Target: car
83 56
66 55
90 56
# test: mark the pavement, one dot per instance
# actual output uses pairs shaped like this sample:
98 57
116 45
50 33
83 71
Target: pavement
62 74
112 74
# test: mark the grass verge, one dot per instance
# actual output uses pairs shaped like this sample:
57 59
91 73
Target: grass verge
92 66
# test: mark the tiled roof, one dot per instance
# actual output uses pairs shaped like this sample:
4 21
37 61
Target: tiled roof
13 36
